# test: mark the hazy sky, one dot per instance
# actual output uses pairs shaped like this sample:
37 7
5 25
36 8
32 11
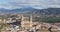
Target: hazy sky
11 4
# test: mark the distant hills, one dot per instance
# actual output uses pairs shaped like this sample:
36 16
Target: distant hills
31 10
18 10
49 11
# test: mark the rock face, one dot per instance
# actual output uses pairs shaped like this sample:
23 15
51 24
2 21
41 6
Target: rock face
46 27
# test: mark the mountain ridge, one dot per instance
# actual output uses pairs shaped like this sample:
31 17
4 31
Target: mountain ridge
30 10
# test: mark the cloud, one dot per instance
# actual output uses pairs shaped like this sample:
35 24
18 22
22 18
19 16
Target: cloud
11 4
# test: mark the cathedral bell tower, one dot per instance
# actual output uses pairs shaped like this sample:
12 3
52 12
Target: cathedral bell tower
26 21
